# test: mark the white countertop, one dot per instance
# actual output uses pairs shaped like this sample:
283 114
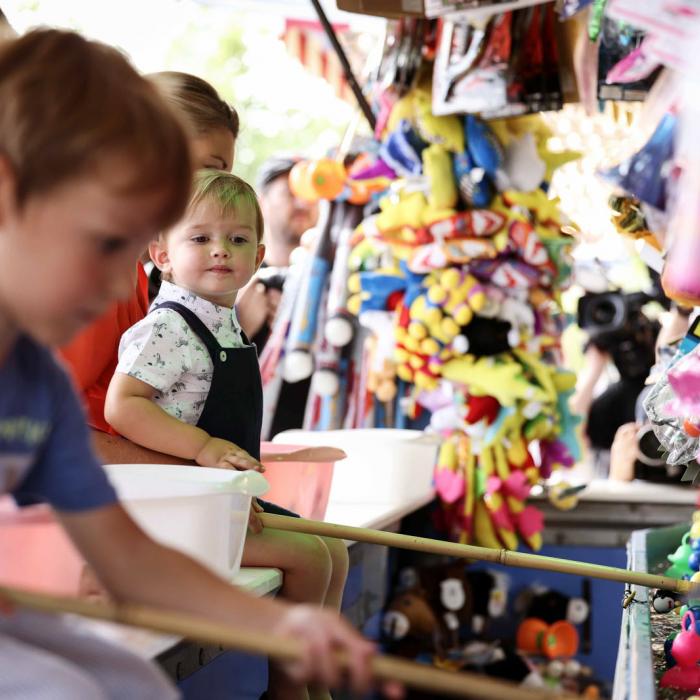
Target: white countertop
636 491
260 581
639 492
374 515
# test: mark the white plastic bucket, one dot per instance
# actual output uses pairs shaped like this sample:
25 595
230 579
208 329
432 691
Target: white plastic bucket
384 465
200 511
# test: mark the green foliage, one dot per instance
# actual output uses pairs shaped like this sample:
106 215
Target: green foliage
225 58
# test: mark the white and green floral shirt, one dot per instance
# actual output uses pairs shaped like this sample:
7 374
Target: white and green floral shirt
163 352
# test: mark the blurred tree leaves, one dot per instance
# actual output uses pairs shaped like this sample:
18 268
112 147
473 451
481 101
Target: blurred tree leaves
248 65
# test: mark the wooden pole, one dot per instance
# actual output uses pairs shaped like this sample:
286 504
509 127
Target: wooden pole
436 681
466 551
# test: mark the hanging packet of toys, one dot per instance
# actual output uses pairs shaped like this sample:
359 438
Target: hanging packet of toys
502 66
625 70
670 28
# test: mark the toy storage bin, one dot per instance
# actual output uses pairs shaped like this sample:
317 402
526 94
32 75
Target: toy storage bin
200 511
35 552
302 487
384 465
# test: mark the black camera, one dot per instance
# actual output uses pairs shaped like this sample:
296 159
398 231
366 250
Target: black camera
617 325
610 313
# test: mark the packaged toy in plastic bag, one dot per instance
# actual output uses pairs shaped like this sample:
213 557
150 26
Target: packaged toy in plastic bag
673 405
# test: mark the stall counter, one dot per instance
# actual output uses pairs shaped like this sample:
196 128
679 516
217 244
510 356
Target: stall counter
609 511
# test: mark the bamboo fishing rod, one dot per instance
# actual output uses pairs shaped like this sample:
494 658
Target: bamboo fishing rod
436 681
467 551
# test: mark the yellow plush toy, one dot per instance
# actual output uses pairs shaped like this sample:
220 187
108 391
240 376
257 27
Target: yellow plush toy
508 130
416 107
437 167
431 336
501 377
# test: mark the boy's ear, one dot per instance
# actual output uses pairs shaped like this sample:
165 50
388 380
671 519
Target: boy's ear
8 189
159 254
259 255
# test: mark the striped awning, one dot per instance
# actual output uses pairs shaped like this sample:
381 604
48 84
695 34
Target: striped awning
306 41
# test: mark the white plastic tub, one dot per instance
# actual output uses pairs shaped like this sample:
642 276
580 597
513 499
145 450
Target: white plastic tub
200 511
383 465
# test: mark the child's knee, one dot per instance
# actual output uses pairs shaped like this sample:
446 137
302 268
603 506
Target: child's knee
340 557
313 552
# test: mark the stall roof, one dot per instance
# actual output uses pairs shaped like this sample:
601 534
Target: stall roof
300 10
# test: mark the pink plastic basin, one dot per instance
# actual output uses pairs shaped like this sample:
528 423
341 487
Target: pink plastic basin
35 552
298 486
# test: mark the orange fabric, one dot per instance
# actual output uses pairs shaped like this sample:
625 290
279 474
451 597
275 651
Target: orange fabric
91 357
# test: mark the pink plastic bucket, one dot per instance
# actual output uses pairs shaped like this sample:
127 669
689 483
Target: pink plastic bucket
298 486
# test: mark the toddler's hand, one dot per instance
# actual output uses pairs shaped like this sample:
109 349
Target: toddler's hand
254 523
225 455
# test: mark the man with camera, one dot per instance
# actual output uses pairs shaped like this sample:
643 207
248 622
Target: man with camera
286 218
621 333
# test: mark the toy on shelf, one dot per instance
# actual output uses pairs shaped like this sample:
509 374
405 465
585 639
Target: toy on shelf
437 609
556 641
685 650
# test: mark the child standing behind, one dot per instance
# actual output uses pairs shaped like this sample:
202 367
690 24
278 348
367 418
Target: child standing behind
188 381
212 127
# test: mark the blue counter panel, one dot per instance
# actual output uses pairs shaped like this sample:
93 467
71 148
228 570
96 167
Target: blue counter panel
231 676
606 599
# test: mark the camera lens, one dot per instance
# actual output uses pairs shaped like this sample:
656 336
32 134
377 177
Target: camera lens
603 312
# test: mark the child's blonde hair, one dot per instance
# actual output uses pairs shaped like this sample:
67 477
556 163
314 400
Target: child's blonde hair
69 104
227 190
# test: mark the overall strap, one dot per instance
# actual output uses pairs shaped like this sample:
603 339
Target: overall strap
196 325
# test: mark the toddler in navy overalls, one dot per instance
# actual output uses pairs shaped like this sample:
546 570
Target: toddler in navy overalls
233 407
190 358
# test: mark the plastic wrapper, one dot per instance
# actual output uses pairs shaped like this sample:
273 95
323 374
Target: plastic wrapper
680 447
680 277
617 41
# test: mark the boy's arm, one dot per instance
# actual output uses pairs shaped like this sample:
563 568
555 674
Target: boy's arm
131 411
134 568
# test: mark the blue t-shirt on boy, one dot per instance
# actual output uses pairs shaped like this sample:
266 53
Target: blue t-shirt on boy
45 452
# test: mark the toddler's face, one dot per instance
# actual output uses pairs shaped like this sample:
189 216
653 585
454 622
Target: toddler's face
211 253
70 252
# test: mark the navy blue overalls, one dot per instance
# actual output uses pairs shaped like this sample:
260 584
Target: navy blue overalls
233 409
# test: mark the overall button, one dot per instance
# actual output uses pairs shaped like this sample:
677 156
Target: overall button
222 356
